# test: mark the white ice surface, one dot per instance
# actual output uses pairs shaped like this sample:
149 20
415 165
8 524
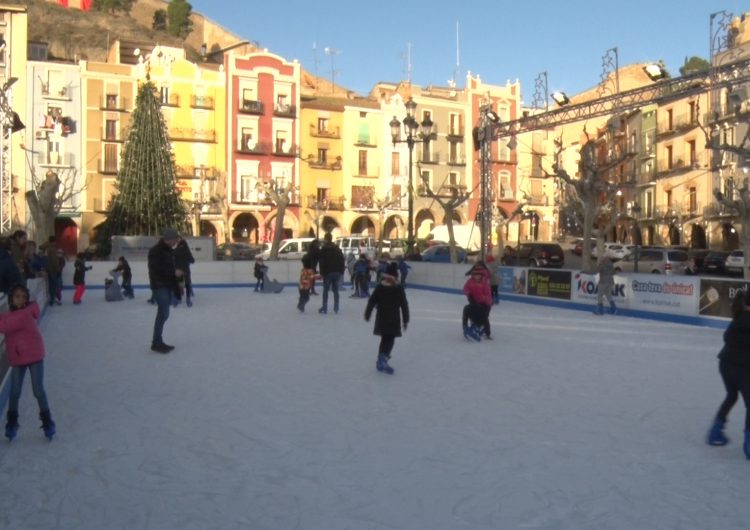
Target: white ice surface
264 418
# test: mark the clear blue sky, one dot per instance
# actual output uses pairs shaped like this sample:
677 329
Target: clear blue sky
499 40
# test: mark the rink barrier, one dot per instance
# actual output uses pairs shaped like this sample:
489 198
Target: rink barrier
684 299
38 292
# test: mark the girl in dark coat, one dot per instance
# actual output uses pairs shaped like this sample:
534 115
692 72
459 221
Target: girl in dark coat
734 367
390 299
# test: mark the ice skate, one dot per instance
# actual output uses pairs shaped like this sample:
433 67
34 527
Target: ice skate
383 366
471 334
47 424
11 426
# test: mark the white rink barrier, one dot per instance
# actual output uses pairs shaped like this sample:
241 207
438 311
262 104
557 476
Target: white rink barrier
690 299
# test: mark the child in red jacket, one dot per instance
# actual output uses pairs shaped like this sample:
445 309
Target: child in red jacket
24 348
477 291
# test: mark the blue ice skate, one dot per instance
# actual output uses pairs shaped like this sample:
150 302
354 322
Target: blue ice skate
48 426
383 366
470 333
11 427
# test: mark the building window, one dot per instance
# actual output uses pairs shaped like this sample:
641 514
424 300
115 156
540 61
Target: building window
110 130
693 153
247 139
247 186
164 95
454 122
110 158
395 164
670 162
453 178
322 196
322 125
670 120
322 156
669 198
362 162
362 196
281 142
693 204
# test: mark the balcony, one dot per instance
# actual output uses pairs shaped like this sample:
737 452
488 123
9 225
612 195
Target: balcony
282 109
678 166
108 167
457 161
537 200
172 100
365 141
679 124
717 210
325 164
368 172
331 203
290 150
186 172
114 104
56 92
324 133
54 159
118 136
180 134
456 135
258 148
506 195
430 158
202 102
251 106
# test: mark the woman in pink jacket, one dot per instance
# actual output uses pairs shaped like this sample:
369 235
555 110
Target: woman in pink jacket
477 290
24 348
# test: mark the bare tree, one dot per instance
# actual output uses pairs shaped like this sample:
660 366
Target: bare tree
449 204
47 197
281 196
501 222
736 198
593 192
383 204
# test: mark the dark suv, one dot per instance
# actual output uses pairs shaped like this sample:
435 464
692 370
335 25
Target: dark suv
535 255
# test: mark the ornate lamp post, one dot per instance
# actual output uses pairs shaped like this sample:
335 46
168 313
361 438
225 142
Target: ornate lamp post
415 133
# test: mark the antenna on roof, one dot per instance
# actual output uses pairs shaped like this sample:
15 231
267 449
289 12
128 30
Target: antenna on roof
331 52
408 65
315 62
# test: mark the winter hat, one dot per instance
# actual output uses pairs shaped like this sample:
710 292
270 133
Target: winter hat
170 234
392 269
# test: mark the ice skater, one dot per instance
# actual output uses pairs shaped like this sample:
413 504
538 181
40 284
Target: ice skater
25 350
477 291
734 367
259 271
79 277
390 299
183 258
606 271
127 276
306 282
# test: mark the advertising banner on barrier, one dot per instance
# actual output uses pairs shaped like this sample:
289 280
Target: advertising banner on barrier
585 288
663 294
549 283
512 280
716 296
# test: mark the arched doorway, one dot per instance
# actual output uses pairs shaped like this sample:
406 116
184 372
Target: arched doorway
363 225
245 228
207 229
391 227
636 238
66 234
674 235
424 223
729 236
698 236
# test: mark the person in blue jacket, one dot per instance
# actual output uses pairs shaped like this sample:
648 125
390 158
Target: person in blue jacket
734 367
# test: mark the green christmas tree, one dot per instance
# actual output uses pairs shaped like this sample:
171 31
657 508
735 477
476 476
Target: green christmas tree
147 199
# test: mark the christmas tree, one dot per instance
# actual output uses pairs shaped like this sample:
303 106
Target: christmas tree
147 199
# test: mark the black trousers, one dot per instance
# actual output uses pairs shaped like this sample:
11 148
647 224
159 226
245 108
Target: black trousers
737 381
386 345
304 297
479 314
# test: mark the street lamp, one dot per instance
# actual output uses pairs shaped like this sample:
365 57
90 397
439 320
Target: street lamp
415 133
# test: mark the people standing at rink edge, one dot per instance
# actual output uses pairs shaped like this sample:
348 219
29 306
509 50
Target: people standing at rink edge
734 367
389 297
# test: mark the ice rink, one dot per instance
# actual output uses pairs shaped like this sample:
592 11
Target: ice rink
264 418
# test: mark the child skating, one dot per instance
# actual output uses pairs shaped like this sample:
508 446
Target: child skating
306 282
259 271
25 350
389 298
79 277
477 291
734 367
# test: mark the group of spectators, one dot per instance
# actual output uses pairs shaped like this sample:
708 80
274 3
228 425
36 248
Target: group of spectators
22 259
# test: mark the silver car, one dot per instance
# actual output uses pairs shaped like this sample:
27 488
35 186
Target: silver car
655 261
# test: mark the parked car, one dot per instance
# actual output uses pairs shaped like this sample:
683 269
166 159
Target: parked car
535 255
735 262
356 243
237 251
614 251
655 260
293 248
442 254
712 262
578 246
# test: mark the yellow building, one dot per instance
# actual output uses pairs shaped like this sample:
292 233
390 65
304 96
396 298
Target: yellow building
194 108
321 181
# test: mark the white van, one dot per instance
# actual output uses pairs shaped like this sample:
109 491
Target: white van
355 243
293 248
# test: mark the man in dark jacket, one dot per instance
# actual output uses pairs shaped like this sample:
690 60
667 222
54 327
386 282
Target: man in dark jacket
9 273
183 258
331 265
163 278
313 255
